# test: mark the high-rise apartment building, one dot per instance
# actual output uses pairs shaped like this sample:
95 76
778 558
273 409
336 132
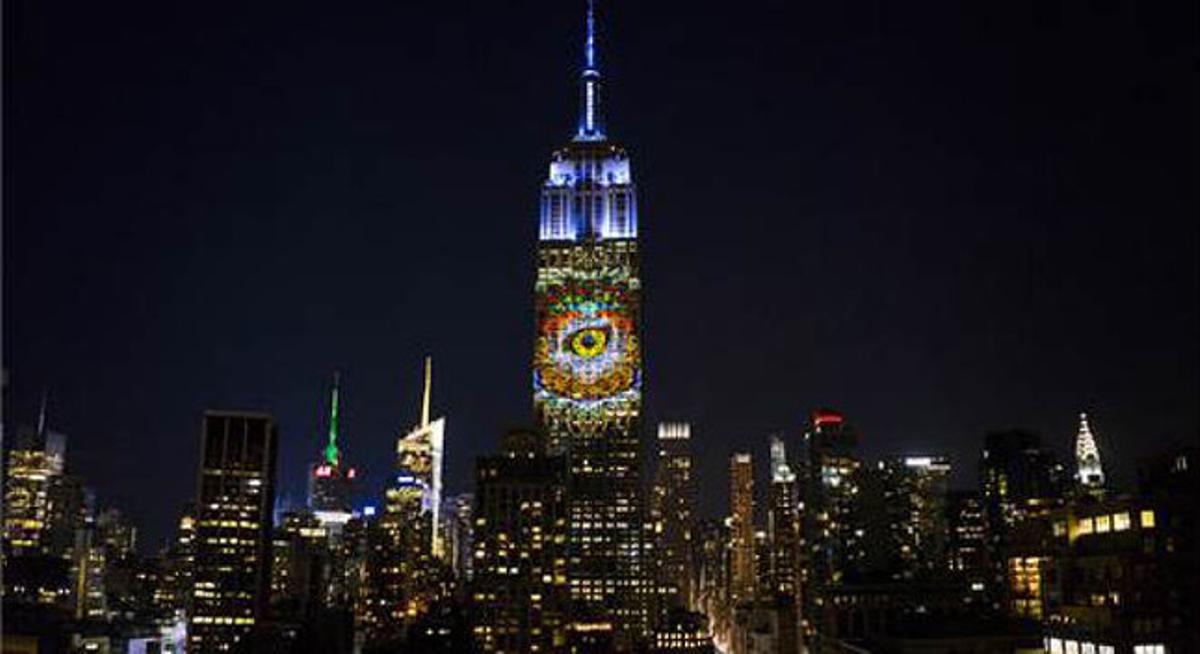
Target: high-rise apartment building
673 507
587 365
234 498
741 509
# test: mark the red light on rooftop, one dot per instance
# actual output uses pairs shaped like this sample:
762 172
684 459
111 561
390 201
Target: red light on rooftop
827 417
323 471
350 473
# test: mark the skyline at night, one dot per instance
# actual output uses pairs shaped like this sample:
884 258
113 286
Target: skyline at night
941 223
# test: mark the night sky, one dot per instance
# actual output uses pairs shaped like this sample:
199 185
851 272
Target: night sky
941 220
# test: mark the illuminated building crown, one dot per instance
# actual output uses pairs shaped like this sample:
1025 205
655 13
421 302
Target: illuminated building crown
781 472
589 193
1089 472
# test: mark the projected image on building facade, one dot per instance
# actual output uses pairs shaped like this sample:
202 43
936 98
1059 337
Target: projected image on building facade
587 349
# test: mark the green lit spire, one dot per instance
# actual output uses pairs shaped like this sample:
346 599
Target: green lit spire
332 455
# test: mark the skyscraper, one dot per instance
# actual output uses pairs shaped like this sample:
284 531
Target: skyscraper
741 505
783 525
404 549
234 498
420 456
587 364
458 527
32 467
1018 479
966 544
833 533
329 480
520 588
1089 474
674 507
913 529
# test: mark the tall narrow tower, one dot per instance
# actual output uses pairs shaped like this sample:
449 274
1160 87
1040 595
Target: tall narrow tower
741 506
587 363
1088 472
420 456
329 479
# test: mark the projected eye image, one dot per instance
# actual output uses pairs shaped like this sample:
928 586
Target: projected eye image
586 348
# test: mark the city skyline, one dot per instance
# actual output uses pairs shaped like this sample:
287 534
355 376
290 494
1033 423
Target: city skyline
793 358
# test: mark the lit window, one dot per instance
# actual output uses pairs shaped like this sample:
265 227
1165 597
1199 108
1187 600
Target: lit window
1071 647
1103 524
1085 527
1147 523
1120 521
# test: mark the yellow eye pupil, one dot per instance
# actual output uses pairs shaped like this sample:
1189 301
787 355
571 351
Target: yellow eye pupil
589 342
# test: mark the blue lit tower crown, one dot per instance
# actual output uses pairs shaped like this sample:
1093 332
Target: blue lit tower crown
587 361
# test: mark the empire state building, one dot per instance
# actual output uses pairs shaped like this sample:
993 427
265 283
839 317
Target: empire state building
587 366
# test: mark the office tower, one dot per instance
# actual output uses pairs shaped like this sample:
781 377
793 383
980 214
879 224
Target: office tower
330 479
783 525
36 568
1018 480
67 512
832 524
300 570
419 455
32 467
1089 474
966 545
683 632
404 553
587 363
913 529
520 589
182 557
89 567
741 510
399 559
116 535
458 522
232 541
783 596
673 511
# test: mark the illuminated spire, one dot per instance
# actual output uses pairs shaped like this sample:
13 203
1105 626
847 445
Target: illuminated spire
1089 472
591 127
332 455
41 428
425 395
